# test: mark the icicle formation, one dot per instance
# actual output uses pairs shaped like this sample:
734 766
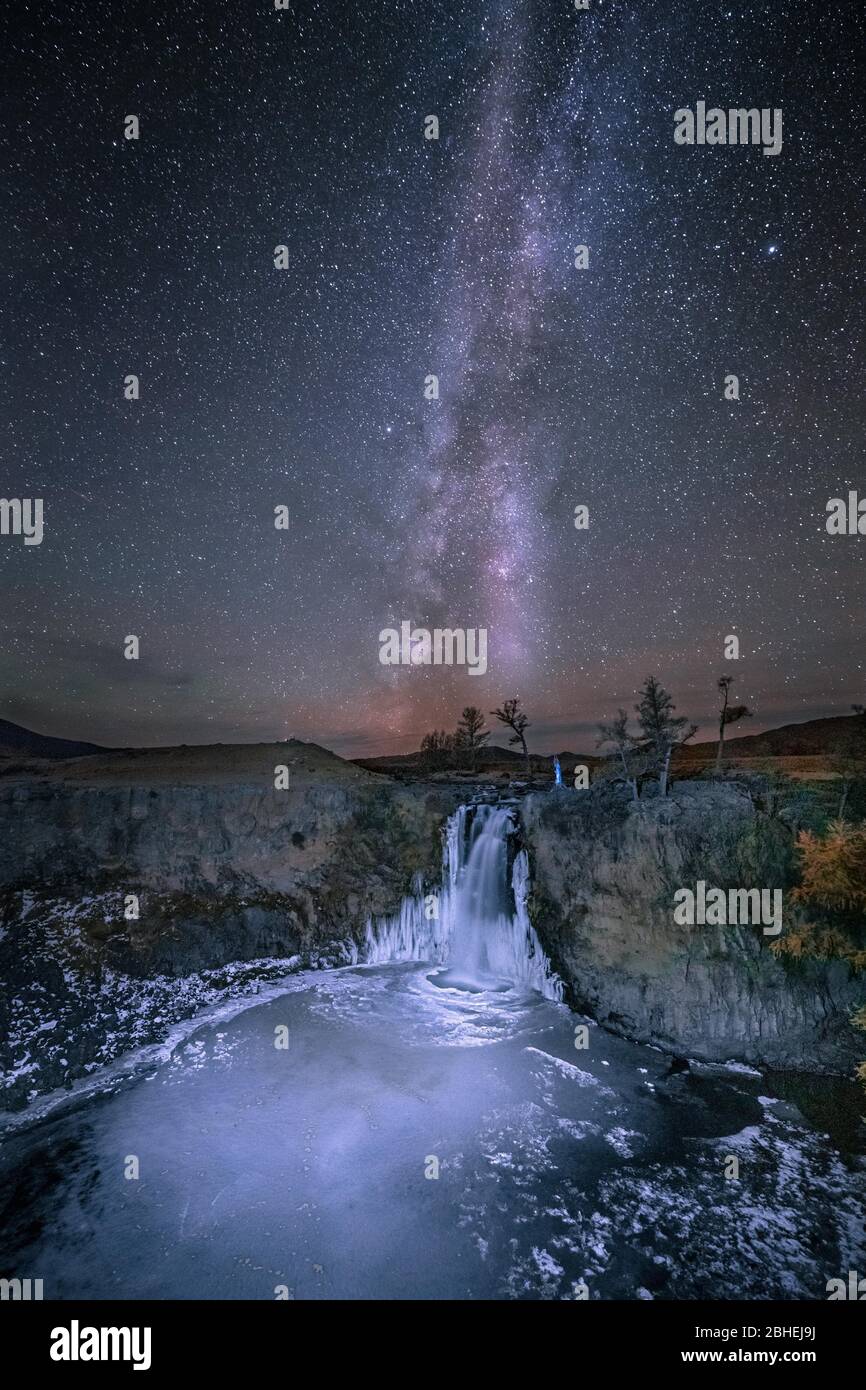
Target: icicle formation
413 934
421 930
534 967
479 925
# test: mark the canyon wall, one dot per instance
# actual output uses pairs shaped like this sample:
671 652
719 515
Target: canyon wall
604 873
237 884
205 839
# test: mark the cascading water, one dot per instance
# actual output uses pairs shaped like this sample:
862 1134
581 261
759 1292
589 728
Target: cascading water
478 924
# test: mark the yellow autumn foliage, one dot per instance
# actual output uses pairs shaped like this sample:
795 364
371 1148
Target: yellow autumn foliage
833 872
833 867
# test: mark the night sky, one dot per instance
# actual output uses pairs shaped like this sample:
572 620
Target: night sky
407 256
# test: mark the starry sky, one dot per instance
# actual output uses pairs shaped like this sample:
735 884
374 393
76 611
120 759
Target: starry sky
304 387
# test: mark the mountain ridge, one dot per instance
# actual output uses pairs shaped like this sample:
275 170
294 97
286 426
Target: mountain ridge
810 737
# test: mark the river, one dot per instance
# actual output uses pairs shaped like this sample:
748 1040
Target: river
427 1129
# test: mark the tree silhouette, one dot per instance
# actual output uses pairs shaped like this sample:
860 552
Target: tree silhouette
624 746
471 734
437 748
662 730
515 719
728 714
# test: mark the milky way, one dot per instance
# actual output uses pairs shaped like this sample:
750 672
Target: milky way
408 257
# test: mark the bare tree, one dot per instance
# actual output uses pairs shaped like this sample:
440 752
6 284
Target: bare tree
514 718
728 714
624 747
471 734
662 730
429 748
437 748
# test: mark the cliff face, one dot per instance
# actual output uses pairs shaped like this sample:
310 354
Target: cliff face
223 873
226 870
604 876
238 883
210 832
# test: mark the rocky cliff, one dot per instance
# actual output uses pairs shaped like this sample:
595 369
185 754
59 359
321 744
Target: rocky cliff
605 871
226 869
237 882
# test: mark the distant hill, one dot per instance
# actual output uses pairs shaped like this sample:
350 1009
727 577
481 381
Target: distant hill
813 738
203 764
490 758
17 742
491 754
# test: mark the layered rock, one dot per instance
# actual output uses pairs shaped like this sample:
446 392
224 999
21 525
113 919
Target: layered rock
604 873
238 882
226 869
204 831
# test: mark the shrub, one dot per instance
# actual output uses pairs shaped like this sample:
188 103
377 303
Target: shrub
833 867
833 879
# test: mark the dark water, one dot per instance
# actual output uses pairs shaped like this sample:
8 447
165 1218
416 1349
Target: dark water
303 1169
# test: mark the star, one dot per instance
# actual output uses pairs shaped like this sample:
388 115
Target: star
303 387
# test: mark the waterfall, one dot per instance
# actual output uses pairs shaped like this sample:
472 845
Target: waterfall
478 923
417 932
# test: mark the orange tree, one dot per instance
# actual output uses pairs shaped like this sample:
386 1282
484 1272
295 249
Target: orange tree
833 881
